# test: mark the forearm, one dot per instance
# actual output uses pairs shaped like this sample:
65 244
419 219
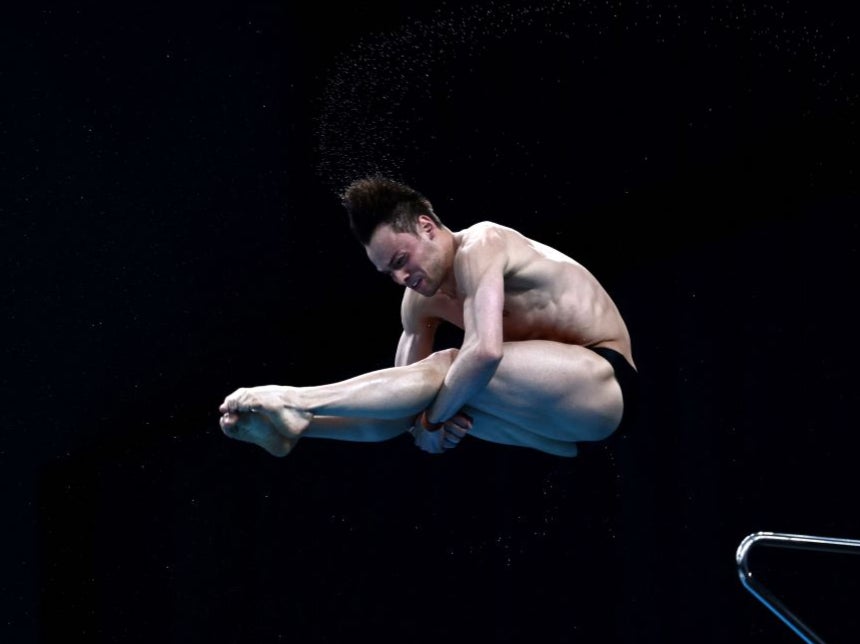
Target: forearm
469 375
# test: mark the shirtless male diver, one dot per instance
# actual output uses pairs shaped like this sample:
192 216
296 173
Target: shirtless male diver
545 361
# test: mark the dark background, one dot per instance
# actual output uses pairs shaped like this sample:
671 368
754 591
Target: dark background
171 232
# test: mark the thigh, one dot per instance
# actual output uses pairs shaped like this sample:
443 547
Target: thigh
560 391
498 430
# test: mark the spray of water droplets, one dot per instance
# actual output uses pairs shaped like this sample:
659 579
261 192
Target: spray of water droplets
376 111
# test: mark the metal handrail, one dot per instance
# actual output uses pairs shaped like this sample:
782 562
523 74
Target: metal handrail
794 542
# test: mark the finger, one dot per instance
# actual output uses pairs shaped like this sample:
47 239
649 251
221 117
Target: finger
462 420
455 430
449 440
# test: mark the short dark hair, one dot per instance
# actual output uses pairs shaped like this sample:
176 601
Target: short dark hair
376 200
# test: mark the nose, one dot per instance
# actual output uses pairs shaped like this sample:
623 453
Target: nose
399 276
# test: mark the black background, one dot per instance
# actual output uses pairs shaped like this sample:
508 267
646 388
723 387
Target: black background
171 232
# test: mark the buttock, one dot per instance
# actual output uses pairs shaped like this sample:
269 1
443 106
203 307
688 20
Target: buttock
628 380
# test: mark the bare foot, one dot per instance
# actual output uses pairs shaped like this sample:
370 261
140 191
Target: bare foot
253 427
273 402
289 420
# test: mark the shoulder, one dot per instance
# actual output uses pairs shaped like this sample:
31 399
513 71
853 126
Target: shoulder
489 243
510 242
487 235
483 229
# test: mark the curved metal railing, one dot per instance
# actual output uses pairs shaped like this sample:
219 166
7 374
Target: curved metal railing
794 542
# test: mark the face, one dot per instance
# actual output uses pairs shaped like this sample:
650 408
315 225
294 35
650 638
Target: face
414 260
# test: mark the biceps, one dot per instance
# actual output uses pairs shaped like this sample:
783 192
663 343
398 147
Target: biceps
481 276
484 315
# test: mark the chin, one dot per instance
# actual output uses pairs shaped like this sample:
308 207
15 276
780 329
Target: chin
427 291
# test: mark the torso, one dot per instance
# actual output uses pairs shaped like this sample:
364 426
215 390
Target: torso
548 296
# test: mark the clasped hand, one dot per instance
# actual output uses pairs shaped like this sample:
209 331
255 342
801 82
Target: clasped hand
447 437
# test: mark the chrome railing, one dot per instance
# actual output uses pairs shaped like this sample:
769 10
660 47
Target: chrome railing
794 542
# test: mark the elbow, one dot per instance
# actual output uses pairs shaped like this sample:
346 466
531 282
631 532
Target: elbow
488 357
485 353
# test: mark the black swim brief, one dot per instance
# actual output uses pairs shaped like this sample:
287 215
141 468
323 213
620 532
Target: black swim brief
627 377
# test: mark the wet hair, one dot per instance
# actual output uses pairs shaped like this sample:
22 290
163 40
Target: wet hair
376 200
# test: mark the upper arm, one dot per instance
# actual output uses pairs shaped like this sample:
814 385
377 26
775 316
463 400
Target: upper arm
419 332
480 270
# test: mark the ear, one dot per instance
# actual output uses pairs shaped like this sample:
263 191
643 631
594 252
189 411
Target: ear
427 226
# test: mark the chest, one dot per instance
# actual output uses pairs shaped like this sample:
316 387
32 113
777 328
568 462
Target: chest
522 311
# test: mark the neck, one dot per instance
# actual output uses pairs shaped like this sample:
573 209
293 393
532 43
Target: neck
452 245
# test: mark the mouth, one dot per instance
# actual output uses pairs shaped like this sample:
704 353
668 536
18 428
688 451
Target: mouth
414 283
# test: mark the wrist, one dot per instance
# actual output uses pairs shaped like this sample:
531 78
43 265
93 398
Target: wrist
426 424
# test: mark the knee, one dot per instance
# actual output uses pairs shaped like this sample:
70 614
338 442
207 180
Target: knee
445 356
440 361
